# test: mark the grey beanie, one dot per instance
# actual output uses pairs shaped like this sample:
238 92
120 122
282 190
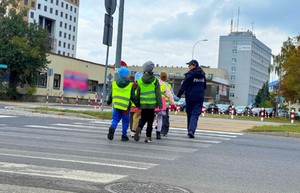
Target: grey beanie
148 66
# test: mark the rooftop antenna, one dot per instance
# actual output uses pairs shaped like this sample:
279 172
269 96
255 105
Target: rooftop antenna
231 24
237 27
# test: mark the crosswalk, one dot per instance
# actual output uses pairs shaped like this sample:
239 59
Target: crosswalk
80 151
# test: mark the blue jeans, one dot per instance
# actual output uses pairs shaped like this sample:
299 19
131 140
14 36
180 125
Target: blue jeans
117 116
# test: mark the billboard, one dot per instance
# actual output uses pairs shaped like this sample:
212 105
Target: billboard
75 82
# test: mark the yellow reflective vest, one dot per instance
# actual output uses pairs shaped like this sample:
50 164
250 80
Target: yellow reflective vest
147 92
121 96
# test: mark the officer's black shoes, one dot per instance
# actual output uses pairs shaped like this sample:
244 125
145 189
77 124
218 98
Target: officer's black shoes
191 134
158 136
137 134
111 132
124 138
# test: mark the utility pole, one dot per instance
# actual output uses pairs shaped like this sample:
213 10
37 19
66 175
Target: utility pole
119 39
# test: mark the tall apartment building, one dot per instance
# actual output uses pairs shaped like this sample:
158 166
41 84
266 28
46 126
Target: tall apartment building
247 61
60 18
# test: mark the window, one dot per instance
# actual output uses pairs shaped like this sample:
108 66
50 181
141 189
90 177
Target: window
56 81
61 14
57 2
39 6
60 24
60 33
25 2
232 78
32 4
70 27
75 19
233 69
66 16
65 35
67 6
69 36
93 85
71 8
232 86
42 79
59 43
74 29
64 45
45 8
56 12
66 25
231 95
62 4
68 46
70 17
51 10
75 10
31 15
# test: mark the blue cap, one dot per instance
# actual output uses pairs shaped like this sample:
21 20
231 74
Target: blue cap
123 72
193 62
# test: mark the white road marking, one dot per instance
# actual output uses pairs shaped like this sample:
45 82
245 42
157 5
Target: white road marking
60 173
7 116
95 141
83 160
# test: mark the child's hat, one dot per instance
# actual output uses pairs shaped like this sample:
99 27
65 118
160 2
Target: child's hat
123 72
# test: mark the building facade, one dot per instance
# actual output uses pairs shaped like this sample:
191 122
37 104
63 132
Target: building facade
60 19
247 61
51 82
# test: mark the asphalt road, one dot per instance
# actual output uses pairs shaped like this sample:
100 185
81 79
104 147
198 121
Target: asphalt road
45 153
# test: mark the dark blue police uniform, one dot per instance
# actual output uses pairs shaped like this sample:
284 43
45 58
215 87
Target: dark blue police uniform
193 85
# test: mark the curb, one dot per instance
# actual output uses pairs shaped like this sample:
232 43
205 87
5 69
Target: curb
279 134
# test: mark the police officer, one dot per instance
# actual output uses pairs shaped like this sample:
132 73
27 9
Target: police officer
193 85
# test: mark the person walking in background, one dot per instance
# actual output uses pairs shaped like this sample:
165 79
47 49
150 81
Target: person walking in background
167 98
121 94
165 118
149 97
135 112
193 85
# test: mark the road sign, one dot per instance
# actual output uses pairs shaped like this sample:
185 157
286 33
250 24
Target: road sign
109 76
110 6
3 66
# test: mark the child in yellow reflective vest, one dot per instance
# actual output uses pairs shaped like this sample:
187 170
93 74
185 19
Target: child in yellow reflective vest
149 97
121 94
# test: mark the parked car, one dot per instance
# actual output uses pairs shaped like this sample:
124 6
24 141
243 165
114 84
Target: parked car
282 113
212 108
243 110
229 110
269 112
255 111
223 108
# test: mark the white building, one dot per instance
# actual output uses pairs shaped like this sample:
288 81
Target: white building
247 61
60 18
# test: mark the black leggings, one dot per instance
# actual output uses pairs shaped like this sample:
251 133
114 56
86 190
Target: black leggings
147 116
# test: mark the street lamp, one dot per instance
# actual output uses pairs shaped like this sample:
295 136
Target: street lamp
204 40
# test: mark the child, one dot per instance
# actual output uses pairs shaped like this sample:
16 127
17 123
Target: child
149 97
135 112
121 94
161 113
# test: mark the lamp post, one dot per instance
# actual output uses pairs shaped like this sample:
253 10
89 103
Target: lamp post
204 40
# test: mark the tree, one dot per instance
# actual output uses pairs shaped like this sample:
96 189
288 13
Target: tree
23 47
263 98
290 79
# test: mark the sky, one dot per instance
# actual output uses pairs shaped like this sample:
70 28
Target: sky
165 31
